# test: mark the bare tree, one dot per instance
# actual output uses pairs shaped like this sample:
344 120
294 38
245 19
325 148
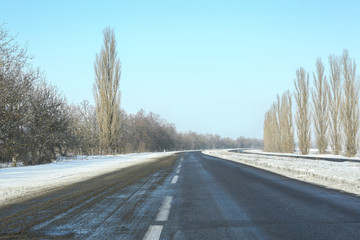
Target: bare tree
286 125
335 96
85 126
107 91
48 128
320 107
272 135
34 124
279 133
278 128
302 114
350 104
16 81
267 133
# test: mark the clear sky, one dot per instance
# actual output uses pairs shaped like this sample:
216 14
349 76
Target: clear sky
207 66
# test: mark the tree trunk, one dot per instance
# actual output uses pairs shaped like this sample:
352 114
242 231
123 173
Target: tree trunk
13 162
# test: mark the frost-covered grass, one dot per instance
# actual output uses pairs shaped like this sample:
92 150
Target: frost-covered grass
313 153
20 182
343 176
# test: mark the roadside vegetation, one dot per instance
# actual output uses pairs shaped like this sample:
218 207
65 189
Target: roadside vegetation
332 109
37 124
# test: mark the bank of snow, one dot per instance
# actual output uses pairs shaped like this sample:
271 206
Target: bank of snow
343 176
21 182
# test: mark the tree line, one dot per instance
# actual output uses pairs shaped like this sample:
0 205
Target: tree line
145 132
34 119
331 106
37 124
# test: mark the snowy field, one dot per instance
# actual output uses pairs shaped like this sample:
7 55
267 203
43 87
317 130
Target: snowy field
344 176
21 182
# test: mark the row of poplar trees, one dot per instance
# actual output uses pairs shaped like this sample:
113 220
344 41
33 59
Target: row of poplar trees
331 106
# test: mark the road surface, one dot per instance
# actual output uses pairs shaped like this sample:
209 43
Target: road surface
186 196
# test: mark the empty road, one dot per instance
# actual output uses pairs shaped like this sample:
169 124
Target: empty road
186 196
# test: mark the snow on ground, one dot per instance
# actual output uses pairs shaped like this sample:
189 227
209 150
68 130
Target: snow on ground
21 182
312 153
343 176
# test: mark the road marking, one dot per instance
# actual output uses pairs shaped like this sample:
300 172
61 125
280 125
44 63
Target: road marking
178 171
165 209
175 179
179 165
153 233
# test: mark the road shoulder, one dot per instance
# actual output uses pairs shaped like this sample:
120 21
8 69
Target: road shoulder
342 176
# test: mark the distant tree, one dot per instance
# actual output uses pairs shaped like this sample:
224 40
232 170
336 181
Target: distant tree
272 134
286 125
278 127
267 132
141 132
127 138
85 126
107 92
277 121
350 104
335 96
320 107
302 113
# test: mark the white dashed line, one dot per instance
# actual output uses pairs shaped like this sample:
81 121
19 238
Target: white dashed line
165 209
153 233
175 179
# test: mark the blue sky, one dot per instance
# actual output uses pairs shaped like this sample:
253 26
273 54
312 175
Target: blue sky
206 66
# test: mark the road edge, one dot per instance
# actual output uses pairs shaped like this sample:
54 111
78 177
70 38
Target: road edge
36 191
313 178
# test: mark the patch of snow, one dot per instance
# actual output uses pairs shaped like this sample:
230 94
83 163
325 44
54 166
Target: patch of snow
312 153
21 182
344 176
6 165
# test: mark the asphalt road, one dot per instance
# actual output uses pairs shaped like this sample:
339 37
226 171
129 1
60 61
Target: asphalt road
188 196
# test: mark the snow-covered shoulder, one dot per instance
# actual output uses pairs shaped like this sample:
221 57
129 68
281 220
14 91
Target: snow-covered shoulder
313 153
343 176
19 182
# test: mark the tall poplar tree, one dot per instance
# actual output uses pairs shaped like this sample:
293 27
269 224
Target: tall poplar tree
107 92
350 105
335 95
302 116
320 107
286 126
